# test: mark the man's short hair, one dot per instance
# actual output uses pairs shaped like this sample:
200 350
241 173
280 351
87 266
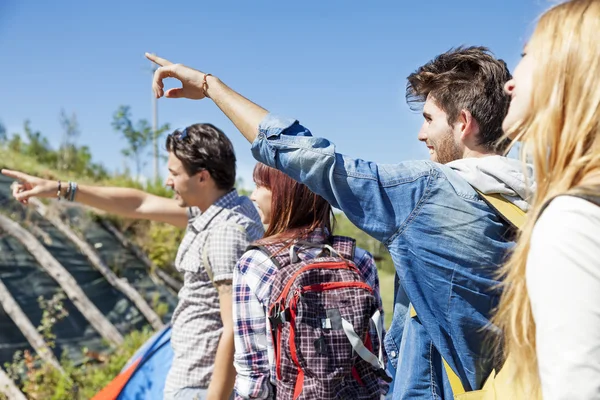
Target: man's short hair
468 78
205 147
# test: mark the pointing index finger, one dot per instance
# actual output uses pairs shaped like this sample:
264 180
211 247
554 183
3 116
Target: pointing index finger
158 60
14 174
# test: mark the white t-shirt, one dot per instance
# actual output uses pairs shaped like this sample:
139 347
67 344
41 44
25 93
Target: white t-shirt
563 281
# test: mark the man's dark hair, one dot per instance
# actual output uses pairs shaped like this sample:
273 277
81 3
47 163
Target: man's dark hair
468 78
205 147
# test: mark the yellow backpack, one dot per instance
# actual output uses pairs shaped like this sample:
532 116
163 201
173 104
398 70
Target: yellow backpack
498 385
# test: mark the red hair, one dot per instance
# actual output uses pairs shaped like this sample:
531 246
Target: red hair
295 210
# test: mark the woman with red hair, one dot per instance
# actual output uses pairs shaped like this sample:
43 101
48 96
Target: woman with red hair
299 229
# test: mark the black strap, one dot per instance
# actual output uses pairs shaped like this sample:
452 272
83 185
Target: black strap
265 251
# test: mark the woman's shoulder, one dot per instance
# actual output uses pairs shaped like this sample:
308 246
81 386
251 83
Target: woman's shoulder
568 212
362 254
255 261
567 230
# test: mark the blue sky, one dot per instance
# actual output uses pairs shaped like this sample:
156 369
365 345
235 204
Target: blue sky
340 67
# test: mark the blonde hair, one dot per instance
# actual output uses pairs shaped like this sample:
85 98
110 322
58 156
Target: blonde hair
560 136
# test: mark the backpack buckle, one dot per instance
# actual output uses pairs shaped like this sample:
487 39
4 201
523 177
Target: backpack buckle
278 317
383 375
274 318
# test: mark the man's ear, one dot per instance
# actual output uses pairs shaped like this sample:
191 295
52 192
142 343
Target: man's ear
467 125
203 175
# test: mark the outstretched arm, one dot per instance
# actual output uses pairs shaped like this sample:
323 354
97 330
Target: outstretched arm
126 202
377 198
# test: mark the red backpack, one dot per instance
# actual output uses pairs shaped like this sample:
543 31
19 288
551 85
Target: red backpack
320 312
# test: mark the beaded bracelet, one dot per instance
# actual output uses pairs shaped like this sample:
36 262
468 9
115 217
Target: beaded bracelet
68 192
58 191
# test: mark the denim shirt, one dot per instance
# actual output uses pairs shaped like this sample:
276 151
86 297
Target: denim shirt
445 242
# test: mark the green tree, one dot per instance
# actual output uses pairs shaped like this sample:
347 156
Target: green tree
68 151
15 143
138 138
37 146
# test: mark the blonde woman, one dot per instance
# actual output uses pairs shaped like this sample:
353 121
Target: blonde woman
550 309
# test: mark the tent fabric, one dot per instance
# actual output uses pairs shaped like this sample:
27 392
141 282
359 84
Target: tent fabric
112 390
143 376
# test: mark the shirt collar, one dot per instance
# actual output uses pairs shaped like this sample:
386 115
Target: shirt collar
229 200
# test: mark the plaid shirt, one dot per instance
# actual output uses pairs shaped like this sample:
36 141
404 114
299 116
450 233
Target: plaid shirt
197 324
254 354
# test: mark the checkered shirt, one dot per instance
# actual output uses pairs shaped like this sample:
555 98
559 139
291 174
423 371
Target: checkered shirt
196 322
254 353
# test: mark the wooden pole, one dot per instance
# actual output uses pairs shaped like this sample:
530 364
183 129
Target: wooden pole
28 330
8 387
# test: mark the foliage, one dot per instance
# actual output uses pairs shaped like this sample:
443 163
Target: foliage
73 158
138 138
34 149
161 245
161 308
344 227
40 380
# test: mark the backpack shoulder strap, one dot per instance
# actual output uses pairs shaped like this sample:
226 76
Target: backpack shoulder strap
509 212
272 252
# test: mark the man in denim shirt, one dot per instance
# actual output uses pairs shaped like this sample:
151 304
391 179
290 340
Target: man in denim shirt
445 241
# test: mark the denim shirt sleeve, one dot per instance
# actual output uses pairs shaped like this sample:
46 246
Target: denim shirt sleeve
377 198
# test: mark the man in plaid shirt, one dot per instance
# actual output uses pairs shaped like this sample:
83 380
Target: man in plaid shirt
220 225
254 355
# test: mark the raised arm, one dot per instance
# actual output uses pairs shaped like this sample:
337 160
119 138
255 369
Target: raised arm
126 202
378 199
197 85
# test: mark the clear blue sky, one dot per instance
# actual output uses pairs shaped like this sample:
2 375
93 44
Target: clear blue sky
337 66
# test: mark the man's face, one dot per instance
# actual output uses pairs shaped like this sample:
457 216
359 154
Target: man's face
187 188
439 137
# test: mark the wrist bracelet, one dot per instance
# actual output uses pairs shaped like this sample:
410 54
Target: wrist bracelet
205 85
58 191
73 191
